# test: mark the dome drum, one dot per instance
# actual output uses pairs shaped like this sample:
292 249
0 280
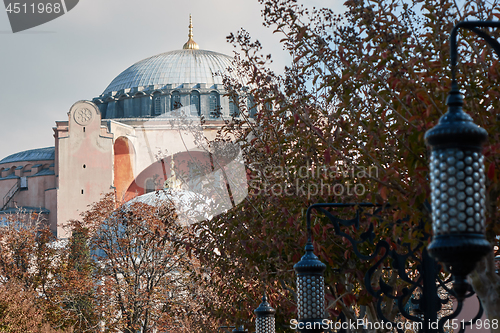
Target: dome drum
152 101
160 84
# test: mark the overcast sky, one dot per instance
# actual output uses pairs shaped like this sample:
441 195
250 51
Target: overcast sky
46 69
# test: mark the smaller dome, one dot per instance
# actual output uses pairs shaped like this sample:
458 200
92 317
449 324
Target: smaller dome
191 207
40 154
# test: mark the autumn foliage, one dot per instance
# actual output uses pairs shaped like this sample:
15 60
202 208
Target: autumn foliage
122 269
349 111
343 122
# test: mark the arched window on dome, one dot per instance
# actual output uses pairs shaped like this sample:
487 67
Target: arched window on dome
215 109
175 101
157 104
195 103
252 109
234 110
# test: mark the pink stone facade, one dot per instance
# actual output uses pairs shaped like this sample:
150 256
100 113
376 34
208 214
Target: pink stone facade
92 157
127 141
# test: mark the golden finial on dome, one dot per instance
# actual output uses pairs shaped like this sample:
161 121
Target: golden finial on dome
190 44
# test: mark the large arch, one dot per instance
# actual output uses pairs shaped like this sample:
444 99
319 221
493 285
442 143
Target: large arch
123 167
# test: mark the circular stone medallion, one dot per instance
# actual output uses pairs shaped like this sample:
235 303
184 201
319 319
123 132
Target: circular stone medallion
83 116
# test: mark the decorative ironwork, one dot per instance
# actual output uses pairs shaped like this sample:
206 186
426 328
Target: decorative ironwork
422 286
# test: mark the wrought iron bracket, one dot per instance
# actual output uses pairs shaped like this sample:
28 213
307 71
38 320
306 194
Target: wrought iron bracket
426 282
472 26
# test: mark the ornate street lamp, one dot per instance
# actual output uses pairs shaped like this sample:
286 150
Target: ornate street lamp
458 191
310 287
265 317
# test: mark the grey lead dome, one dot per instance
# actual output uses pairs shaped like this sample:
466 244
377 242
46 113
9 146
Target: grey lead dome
174 67
154 87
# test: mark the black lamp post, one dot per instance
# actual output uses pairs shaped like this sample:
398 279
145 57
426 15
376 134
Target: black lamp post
310 287
265 317
458 191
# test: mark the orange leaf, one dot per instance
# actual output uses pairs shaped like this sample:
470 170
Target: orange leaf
383 193
347 254
428 111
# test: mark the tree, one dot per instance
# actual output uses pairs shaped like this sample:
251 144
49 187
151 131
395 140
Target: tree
76 283
123 268
30 266
20 311
349 112
143 275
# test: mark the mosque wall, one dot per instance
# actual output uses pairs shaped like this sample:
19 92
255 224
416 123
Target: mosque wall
50 195
93 157
85 163
34 194
5 185
30 178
